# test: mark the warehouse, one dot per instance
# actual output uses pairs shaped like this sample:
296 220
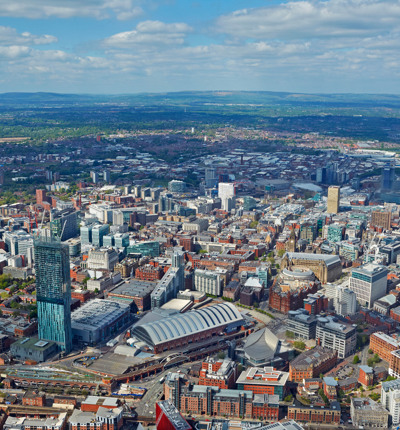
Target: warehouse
182 329
99 320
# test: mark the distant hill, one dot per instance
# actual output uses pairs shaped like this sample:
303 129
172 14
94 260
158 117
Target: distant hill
199 98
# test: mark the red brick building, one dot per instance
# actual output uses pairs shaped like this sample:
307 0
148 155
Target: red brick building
149 273
214 401
314 304
82 295
284 299
26 329
366 376
310 364
93 403
41 197
218 373
34 399
265 380
315 415
383 344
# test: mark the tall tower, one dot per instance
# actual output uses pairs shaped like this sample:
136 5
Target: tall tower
210 177
388 176
227 192
53 291
291 243
333 199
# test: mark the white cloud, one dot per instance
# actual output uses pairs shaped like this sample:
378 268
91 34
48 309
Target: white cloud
312 19
99 9
150 33
13 52
309 45
10 36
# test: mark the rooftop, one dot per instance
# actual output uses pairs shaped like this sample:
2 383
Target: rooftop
174 415
263 376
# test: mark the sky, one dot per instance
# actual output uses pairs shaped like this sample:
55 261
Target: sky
134 46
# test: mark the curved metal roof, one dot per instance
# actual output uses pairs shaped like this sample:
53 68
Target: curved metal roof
191 322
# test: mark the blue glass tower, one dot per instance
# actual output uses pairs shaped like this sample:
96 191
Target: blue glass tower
53 291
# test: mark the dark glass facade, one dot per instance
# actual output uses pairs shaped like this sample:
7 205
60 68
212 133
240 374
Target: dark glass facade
53 291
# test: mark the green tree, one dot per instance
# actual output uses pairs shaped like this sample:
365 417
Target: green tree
289 334
281 253
288 398
356 359
298 344
390 378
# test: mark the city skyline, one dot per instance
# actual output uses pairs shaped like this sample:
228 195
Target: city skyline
131 46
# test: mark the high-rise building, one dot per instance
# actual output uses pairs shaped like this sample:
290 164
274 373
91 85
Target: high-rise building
388 177
333 199
210 177
53 291
345 302
381 219
172 282
41 197
208 281
227 192
369 282
95 177
98 232
176 186
107 176
64 223
390 399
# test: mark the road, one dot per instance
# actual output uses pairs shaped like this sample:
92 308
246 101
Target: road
147 405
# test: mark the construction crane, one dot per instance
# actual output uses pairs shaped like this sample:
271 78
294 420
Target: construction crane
373 246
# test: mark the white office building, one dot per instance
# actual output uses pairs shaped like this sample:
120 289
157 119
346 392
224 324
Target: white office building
337 336
226 192
369 282
390 399
208 281
102 259
345 302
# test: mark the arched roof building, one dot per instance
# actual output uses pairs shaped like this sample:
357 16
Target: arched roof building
181 329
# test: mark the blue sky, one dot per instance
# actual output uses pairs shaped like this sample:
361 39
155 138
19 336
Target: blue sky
130 46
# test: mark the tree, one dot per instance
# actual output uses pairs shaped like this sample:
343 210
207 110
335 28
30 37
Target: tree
356 359
390 378
323 396
298 344
370 362
289 334
221 355
281 253
15 305
288 398
370 351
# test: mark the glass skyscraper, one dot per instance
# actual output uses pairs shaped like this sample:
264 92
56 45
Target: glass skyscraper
53 291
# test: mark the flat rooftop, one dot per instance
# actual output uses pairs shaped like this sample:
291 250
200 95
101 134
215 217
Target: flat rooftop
263 376
133 288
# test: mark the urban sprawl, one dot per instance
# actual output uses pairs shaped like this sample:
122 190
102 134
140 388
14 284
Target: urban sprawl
235 289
